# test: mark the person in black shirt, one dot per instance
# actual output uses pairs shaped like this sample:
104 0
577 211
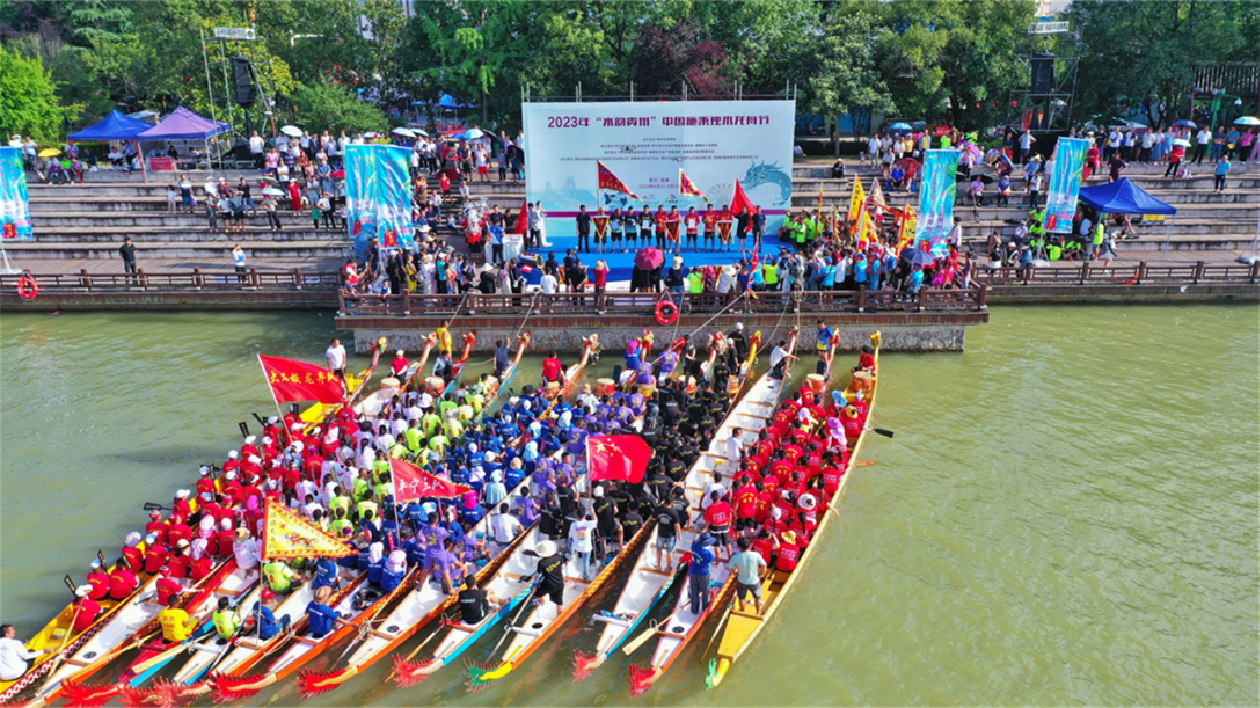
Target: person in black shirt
606 515
661 484
631 522
741 344
549 520
551 572
128 253
474 603
621 497
667 528
583 230
721 375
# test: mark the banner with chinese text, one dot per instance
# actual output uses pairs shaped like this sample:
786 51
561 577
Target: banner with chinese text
293 380
936 200
1065 185
15 203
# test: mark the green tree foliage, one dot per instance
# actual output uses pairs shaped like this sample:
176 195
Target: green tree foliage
1140 55
321 107
28 98
847 81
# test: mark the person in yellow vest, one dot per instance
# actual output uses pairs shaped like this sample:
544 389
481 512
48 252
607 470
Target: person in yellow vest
227 622
444 338
414 439
177 626
362 485
368 503
337 527
770 275
339 501
279 577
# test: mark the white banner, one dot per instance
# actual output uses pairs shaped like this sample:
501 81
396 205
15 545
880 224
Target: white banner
645 143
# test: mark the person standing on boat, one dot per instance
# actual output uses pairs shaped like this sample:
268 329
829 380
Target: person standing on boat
698 572
750 567
502 360
399 366
13 655
337 359
551 572
741 343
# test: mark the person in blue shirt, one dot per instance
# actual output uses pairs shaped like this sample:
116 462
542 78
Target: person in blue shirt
859 269
873 273
829 276
376 562
916 279
416 516
325 573
394 570
265 623
698 572
321 619
824 340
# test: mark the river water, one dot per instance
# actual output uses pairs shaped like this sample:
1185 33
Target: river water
1067 514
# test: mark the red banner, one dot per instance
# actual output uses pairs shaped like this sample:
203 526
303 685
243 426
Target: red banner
620 457
411 483
522 220
293 380
608 180
686 186
740 200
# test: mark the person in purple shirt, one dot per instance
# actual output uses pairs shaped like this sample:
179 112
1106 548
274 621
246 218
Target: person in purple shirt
434 535
577 438
529 510
441 563
669 362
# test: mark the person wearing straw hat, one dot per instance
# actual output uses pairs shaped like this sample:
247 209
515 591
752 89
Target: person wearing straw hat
551 573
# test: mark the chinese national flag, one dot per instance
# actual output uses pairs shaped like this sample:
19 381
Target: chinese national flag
740 201
293 380
610 181
286 535
620 457
411 483
522 221
686 186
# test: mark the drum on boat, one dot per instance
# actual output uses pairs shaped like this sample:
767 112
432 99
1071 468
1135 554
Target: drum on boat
647 390
817 384
604 387
863 381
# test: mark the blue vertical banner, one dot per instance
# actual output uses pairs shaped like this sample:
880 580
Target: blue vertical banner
378 196
15 201
1065 185
936 199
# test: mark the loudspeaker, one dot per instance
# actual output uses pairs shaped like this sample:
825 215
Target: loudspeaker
242 81
1042 74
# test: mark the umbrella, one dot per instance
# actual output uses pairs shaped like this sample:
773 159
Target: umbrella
900 126
291 130
49 152
419 132
649 258
1186 123
919 257
1182 142
919 125
272 192
470 134
403 132
1247 120
910 165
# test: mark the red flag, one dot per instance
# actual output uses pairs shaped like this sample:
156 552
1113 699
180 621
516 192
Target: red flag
522 221
740 200
686 186
608 180
411 482
621 457
293 380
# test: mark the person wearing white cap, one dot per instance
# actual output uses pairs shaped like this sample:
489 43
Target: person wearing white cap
551 571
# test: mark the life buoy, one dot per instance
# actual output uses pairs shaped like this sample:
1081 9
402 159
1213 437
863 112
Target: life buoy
666 312
27 288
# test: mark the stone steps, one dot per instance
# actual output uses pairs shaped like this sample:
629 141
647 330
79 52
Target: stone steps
217 250
809 188
154 219
107 234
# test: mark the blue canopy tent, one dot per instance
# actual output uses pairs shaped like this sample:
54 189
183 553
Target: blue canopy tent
1125 197
116 126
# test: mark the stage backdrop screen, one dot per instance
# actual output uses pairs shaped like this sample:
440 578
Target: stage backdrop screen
644 144
15 203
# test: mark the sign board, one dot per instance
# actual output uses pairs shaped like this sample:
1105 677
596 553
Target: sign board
1049 27
239 33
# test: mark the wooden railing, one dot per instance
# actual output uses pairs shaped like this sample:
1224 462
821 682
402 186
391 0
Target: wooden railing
1143 272
193 281
588 304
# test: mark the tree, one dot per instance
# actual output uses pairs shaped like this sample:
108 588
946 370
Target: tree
667 57
322 107
846 80
28 98
1141 56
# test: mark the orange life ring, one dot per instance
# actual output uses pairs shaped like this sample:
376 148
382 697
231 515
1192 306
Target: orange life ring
27 288
666 312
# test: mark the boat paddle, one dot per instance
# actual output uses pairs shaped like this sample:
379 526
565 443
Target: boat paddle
885 433
70 584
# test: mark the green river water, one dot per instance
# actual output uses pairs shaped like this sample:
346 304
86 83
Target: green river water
1067 514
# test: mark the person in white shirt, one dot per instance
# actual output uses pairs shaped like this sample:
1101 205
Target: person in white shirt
1113 143
734 448
955 233
1148 141
548 284
13 655
256 150
337 359
872 150
1201 141
582 537
504 527
778 356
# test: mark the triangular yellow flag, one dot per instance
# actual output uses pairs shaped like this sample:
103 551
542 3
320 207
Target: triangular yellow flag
286 535
856 201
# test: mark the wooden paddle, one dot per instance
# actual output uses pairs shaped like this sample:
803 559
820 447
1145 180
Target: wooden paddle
633 645
863 463
885 433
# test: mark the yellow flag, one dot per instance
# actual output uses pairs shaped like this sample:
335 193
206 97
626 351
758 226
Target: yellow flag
287 535
909 225
855 202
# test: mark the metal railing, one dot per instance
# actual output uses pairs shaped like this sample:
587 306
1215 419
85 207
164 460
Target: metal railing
191 281
587 304
1087 274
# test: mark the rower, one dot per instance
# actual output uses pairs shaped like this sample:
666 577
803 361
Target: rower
227 622
167 588
322 619
177 626
265 623
13 655
122 582
98 578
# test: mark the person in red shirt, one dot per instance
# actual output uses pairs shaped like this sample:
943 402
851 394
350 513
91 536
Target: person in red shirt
719 518
86 609
796 484
122 582
781 467
745 505
182 505
199 565
179 531
226 537
249 449
156 555
853 423
399 365
783 422
233 463
770 485
710 219
764 544
179 562
156 526
831 476
167 587
788 552
765 501
205 485
132 550
552 368
252 490
99 580
231 490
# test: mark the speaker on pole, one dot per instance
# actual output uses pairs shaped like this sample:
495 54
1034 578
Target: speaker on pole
243 87
1042 66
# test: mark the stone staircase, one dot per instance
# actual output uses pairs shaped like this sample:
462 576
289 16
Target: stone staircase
91 220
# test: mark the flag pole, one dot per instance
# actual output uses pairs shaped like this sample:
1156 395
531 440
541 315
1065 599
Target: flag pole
271 390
